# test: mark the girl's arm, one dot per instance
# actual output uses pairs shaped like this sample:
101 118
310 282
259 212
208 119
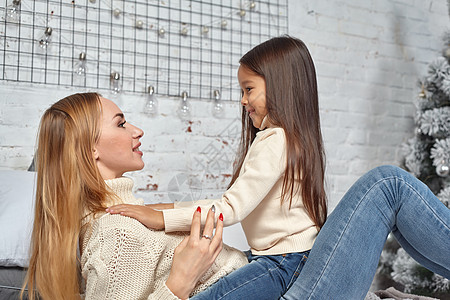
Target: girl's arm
145 214
264 167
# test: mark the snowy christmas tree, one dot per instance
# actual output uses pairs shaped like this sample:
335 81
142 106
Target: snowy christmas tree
427 156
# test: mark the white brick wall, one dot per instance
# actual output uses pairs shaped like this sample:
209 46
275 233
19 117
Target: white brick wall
369 56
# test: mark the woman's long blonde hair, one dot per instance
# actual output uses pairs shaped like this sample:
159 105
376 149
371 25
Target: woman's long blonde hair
68 184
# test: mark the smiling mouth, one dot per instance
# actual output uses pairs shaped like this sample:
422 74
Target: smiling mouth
136 148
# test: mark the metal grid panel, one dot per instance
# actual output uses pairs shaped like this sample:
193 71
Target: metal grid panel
198 53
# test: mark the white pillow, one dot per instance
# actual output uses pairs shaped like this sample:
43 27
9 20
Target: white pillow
16 216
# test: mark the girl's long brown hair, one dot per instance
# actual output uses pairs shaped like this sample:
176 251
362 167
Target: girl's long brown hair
68 184
292 104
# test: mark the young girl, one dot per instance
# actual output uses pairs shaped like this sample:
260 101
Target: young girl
277 189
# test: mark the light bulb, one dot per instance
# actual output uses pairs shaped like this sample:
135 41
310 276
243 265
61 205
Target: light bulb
184 109
79 68
205 30
151 106
161 32
443 169
116 86
224 24
46 38
13 12
217 110
139 24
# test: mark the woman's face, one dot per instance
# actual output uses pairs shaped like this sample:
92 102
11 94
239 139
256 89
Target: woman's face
253 90
117 150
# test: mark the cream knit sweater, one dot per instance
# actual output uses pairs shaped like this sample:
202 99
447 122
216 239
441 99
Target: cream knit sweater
254 200
122 259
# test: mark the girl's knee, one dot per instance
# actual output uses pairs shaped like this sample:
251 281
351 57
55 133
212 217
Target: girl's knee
386 171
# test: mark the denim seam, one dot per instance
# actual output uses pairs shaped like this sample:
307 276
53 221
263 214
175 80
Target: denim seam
299 266
247 282
345 228
426 203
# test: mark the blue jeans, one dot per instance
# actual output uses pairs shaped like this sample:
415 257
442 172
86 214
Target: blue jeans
265 277
344 258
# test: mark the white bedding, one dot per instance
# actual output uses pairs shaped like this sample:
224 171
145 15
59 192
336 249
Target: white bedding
16 216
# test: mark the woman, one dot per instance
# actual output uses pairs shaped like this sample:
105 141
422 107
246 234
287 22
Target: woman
84 147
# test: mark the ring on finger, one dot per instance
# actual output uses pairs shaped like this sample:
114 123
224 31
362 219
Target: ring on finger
206 236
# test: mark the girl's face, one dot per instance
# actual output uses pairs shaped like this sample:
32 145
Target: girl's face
253 91
117 150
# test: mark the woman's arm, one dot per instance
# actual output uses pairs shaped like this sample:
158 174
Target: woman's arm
119 264
195 255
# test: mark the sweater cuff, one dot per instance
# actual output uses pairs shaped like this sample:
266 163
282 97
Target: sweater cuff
163 293
178 219
183 204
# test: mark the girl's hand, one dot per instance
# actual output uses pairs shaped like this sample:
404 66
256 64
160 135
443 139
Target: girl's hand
151 218
195 255
161 206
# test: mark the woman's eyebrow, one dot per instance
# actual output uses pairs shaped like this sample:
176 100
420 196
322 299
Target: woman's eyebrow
120 115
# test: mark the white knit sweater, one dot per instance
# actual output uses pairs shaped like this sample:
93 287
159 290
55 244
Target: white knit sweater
254 200
122 259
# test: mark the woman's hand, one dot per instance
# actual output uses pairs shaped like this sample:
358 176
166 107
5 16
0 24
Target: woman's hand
146 215
195 254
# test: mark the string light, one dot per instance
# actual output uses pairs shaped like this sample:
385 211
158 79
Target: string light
116 12
139 24
46 38
217 105
151 106
13 12
184 109
116 86
79 67
224 24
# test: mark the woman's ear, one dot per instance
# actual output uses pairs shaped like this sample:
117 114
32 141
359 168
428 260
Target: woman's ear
96 155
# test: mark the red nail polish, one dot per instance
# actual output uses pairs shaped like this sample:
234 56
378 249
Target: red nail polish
221 217
199 209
